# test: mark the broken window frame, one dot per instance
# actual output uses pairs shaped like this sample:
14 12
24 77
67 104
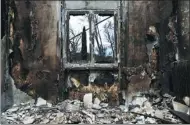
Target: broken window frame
73 13
90 65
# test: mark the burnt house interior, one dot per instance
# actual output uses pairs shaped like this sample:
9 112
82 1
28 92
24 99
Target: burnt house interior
95 62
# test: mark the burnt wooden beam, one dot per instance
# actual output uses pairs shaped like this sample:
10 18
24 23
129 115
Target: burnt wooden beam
182 116
84 46
90 66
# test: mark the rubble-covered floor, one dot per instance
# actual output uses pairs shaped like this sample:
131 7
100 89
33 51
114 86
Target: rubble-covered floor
146 108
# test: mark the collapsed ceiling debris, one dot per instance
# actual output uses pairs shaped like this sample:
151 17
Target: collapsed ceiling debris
146 108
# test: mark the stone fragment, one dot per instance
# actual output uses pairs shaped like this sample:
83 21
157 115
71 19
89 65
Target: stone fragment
105 121
96 106
10 118
75 120
62 106
92 116
87 99
113 115
148 107
13 109
45 121
140 120
14 105
72 107
186 100
89 121
59 120
77 102
54 114
166 95
97 101
104 105
38 116
48 115
94 111
105 110
139 101
150 120
147 104
22 103
136 109
27 107
51 117
21 113
60 114
100 115
159 114
123 108
49 104
116 119
180 107
157 100
28 120
119 121
53 122
41 102
127 122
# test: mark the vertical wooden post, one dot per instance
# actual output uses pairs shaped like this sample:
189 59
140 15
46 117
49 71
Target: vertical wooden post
84 44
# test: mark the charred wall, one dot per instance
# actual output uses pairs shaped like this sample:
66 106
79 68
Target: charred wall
140 17
171 19
174 41
143 14
36 42
183 28
34 62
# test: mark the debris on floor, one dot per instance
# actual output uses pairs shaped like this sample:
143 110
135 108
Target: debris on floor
180 107
142 110
186 100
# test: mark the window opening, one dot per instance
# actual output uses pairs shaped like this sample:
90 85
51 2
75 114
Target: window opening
79 38
104 39
90 46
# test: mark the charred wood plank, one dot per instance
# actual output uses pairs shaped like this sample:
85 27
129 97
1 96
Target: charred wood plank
184 117
146 115
84 46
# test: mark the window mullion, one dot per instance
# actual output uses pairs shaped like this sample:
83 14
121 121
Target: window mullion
92 29
115 34
67 41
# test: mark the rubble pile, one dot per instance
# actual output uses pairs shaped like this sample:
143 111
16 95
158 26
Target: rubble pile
146 108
